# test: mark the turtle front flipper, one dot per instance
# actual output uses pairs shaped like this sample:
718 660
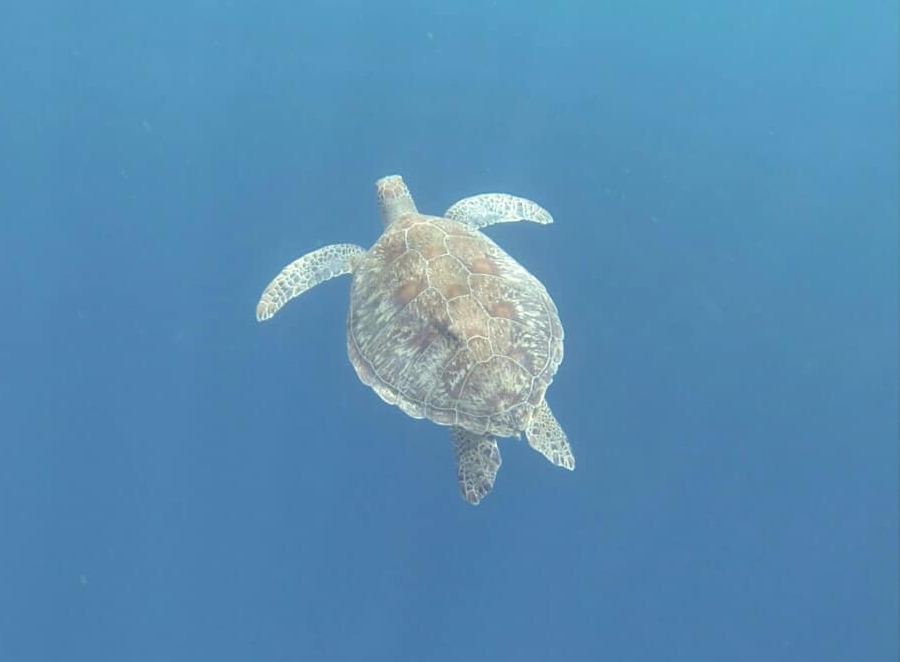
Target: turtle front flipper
302 274
547 437
477 463
482 210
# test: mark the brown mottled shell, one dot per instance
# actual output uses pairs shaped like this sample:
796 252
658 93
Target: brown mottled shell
447 326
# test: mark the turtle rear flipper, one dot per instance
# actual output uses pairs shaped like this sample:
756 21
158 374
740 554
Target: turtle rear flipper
305 273
477 463
547 437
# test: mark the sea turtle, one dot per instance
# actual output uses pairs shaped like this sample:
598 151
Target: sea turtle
447 326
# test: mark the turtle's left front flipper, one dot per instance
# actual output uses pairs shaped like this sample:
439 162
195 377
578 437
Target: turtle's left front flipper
304 273
477 463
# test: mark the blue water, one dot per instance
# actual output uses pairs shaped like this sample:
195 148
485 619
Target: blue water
181 483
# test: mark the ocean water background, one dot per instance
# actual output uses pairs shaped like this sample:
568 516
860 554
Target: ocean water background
179 482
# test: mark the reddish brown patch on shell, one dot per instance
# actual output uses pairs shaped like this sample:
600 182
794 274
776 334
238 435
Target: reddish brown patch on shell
455 290
484 265
409 291
504 309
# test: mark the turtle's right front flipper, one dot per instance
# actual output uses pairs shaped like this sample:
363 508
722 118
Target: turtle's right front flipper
477 463
300 275
486 209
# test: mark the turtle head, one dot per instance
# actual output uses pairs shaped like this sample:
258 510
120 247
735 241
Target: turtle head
394 199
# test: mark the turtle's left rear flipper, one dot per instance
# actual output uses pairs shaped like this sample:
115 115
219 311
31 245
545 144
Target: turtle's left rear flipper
477 462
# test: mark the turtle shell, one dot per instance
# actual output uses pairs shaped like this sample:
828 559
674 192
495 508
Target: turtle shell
447 326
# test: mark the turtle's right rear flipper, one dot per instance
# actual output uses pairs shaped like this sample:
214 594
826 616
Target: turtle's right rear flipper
547 437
